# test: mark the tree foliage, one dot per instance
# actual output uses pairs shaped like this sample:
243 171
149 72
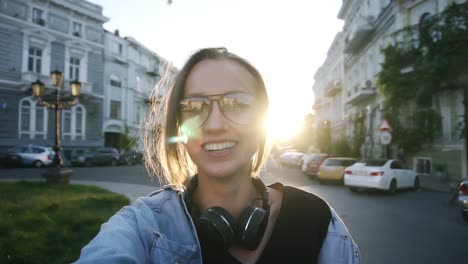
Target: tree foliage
414 73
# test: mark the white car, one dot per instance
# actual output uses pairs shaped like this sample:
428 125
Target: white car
292 158
388 175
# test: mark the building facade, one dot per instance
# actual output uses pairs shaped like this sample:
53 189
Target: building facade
132 72
118 76
369 27
38 37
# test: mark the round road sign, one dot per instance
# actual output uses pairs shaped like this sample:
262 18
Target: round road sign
385 137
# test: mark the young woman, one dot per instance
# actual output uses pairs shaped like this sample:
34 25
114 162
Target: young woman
215 209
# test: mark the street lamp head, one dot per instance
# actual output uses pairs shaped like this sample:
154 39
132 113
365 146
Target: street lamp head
75 88
38 88
57 78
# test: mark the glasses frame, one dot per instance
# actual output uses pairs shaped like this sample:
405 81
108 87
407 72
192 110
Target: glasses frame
216 98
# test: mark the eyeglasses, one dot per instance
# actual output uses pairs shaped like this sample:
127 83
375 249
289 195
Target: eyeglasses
237 107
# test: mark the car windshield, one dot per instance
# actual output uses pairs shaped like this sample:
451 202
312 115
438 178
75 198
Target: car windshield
318 157
338 162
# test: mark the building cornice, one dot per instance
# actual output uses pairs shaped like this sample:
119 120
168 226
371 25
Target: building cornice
76 7
31 26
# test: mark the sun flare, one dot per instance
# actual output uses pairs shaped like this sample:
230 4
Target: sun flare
284 125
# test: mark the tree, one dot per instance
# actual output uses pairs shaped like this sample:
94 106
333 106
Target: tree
415 73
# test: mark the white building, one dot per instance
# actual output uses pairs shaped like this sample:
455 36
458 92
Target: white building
132 72
348 79
38 37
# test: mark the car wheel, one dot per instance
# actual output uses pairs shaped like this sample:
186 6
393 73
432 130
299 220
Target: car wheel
416 183
393 187
88 163
354 189
38 164
114 162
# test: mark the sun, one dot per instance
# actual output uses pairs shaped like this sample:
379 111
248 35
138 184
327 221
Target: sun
284 125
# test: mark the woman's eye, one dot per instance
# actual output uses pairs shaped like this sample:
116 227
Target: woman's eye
192 107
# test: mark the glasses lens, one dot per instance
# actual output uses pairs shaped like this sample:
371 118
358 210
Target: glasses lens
194 110
238 107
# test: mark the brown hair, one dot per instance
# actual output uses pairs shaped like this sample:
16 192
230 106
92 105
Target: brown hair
170 161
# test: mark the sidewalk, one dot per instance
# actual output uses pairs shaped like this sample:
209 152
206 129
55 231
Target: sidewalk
431 183
132 191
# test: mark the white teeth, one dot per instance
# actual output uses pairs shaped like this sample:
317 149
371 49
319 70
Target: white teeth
218 146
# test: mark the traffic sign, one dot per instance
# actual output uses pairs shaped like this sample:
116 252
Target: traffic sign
385 126
385 137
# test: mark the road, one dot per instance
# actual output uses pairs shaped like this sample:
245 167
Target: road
409 227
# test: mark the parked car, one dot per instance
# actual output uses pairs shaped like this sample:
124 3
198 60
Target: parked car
312 163
291 158
131 157
101 156
388 175
28 155
463 198
333 169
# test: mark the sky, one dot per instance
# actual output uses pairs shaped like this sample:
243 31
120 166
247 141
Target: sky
286 40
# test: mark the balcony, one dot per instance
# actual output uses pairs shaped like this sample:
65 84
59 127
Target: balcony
39 21
86 88
153 70
333 87
319 103
29 77
359 33
118 59
362 94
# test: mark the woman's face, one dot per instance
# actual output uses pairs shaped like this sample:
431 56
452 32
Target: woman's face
223 92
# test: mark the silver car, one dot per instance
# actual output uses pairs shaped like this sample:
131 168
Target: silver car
31 155
463 198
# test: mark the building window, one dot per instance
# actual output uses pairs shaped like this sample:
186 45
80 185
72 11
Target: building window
73 123
74 68
116 48
76 29
32 120
37 16
115 81
137 117
138 84
115 109
34 60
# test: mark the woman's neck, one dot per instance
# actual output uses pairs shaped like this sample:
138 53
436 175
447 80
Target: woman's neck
233 194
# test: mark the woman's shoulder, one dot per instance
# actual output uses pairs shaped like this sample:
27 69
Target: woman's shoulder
165 198
295 196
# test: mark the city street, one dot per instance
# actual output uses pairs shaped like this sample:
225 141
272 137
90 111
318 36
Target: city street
409 227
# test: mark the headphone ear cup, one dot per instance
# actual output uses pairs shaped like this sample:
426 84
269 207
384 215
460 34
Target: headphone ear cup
251 227
217 226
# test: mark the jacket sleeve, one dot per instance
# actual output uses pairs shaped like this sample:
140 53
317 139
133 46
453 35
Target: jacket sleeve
118 241
338 246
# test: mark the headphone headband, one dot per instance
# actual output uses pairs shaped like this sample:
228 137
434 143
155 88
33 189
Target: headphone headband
260 187
218 227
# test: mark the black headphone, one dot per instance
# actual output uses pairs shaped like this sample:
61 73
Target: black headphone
217 226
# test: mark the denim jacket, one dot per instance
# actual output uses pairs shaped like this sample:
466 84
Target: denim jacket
159 229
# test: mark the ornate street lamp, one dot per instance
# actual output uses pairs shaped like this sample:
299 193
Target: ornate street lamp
57 100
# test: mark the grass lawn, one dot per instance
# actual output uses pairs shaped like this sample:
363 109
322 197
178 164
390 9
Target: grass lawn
44 223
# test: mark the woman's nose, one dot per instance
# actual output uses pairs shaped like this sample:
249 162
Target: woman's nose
215 119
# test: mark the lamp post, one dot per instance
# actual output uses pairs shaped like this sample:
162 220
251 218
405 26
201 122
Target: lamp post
57 100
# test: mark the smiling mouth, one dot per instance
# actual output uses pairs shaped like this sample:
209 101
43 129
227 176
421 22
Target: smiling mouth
219 146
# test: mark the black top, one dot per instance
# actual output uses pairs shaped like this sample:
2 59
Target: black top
297 236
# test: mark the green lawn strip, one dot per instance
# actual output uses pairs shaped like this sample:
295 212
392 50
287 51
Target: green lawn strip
44 223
